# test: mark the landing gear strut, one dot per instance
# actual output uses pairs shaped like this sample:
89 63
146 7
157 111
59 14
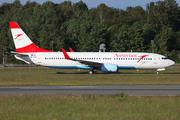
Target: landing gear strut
160 69
91 71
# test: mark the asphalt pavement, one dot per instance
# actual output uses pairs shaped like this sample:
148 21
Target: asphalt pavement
131 90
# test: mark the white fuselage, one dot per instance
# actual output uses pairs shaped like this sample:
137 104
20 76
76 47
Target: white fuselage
124 60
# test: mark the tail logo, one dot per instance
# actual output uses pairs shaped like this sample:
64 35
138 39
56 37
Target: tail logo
18 36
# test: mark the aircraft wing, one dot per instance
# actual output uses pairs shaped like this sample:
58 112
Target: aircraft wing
89 63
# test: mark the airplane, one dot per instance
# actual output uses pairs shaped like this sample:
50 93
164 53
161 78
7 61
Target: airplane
28 52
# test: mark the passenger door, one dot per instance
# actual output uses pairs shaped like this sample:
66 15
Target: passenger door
154 60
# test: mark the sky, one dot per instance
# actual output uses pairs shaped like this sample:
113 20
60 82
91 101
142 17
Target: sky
120 4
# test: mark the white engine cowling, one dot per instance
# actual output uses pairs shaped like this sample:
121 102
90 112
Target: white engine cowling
109 68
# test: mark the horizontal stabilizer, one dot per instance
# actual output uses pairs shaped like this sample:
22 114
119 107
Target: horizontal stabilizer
18 54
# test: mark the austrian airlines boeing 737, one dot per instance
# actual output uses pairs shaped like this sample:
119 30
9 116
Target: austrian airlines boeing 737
28 52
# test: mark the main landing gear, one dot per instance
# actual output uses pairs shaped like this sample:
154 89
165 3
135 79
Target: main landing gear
91 71
157 72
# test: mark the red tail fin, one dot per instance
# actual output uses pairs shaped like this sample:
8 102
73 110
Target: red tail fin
22 42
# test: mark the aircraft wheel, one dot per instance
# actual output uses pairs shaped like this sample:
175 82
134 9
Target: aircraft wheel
91 72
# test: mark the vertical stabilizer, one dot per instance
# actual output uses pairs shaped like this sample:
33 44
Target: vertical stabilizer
22 42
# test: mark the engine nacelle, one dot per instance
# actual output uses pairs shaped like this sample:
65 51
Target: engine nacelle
109 68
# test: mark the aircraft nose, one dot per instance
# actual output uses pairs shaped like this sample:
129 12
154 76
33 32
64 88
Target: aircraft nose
171 62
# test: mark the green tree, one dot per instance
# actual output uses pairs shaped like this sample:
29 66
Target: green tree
162 38
148 35
96 37
129 38
83 29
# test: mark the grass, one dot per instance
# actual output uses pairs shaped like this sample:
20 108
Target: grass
46 76
89 107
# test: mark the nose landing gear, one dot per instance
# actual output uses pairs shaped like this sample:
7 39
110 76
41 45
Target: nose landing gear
160 69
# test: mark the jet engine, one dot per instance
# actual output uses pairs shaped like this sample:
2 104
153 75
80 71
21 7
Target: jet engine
109 68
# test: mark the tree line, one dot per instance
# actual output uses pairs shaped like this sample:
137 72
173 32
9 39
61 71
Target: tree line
55 26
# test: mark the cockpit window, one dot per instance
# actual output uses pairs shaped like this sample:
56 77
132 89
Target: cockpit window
164 58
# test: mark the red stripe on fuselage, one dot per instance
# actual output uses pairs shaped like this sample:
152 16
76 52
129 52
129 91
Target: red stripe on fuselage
143 56
14 25
31 48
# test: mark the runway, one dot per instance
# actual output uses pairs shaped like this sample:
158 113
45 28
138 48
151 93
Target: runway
131 90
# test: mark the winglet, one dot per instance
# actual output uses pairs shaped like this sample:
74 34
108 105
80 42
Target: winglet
65 54
71 49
